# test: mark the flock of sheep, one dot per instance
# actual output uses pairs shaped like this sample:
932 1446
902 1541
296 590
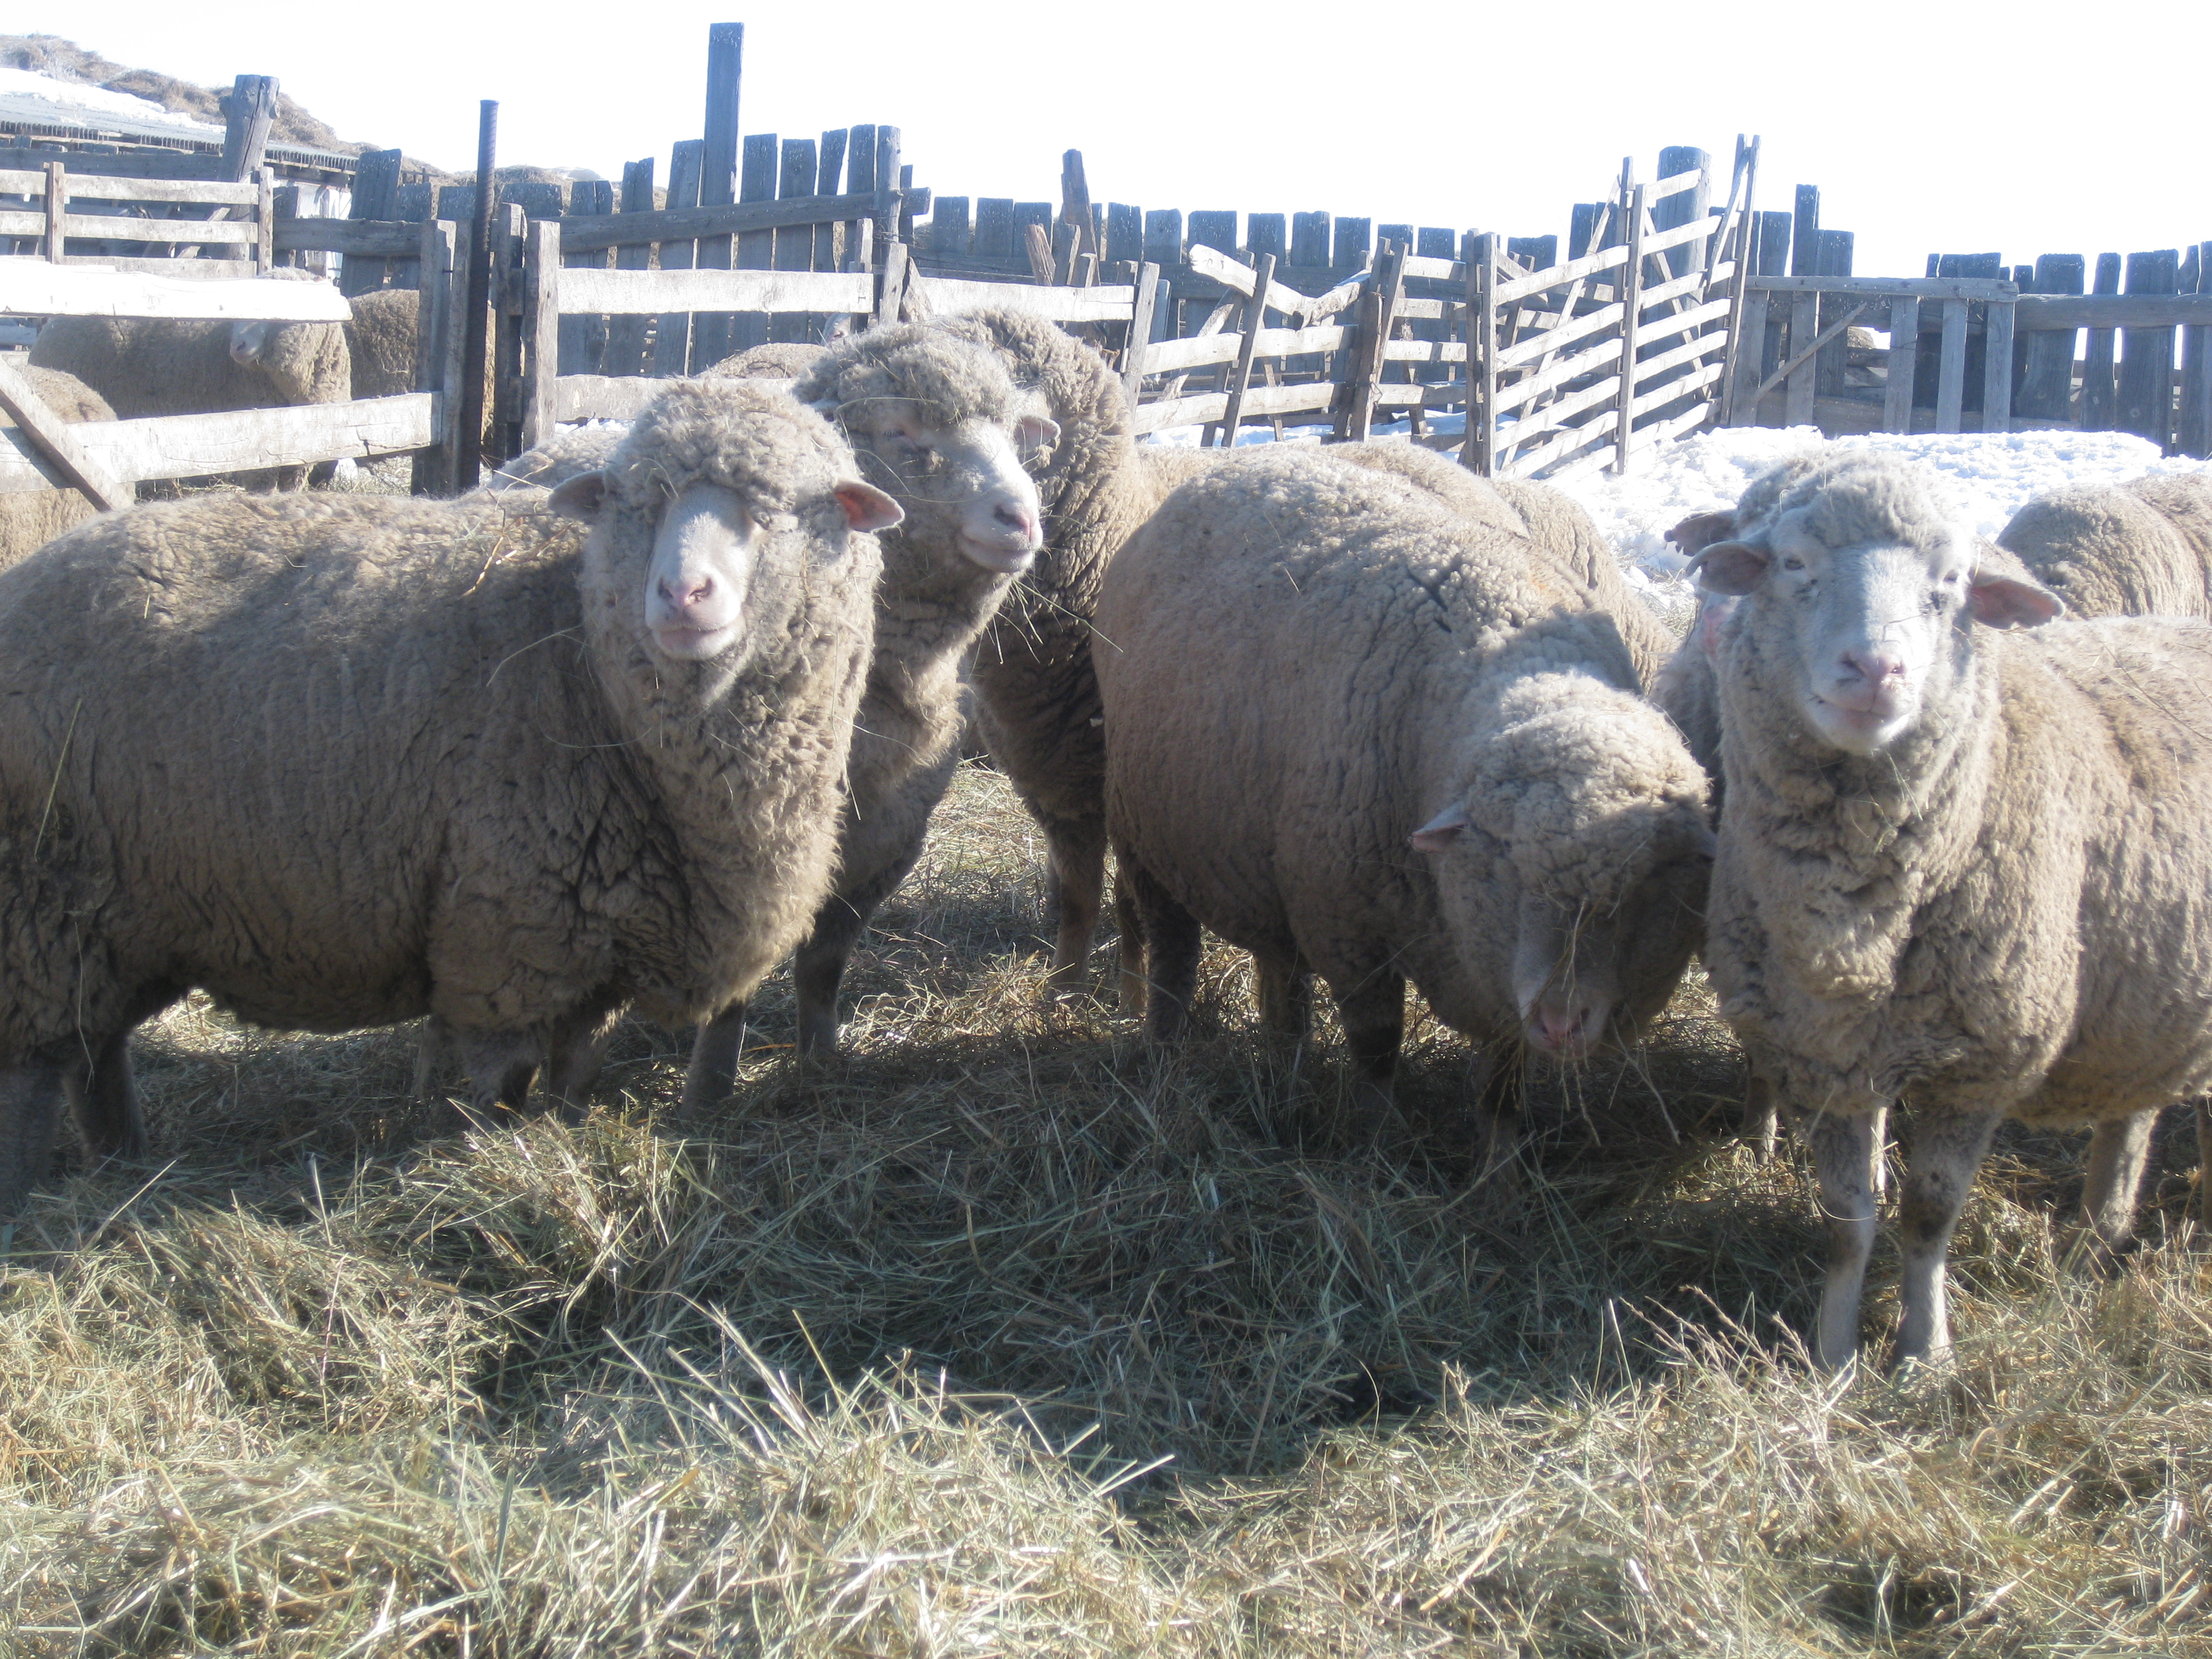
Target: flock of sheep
626 728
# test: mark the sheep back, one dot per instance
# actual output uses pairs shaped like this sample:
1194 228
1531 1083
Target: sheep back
2138 549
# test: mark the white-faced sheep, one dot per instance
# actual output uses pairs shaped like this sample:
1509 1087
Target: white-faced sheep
343 761
936 421
1959 865
31 518
1349 730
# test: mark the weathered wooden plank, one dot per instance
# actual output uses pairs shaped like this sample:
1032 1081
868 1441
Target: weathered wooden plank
1574 366
1310 239
1696 380
602 397
56 439
248 113
1904 362
2098 391
1479 449
1922 287
1522 287
672 337
1630 326
2144 405
1061 304
619 293
1557 339
34 288
1196 411
1799 389
1751 330
1555 417
191 445
1194 351
86 185
2193 423
1951 370
1138 347
132 229
357 239
1255 309
1996 371
1565 440
2046 389
2037 312
543 279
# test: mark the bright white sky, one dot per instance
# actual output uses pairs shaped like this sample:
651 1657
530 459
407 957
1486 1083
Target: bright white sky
1937 125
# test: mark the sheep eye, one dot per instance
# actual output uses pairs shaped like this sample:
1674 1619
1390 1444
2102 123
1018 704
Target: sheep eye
1793 563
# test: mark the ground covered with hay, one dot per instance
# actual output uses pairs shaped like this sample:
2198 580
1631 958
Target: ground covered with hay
1008 1335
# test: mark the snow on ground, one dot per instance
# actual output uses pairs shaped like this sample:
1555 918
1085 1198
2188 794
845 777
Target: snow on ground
76 95
1989 477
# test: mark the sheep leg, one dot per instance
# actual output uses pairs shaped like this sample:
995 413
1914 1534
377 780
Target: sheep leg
1284 984
1946 1152
1761 1115
1172 937
2120 1147
501 1066
1372 1008
1129 946
575 1055
1847 1149
106 1107
711 1076
839 926
31 1093
1079 877
2204 1164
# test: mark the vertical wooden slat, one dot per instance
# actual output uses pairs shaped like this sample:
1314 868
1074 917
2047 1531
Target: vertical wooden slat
672 342
1799 391
477 335
2193 435
2145 401
1740 249
1951 367
583 339
2046 387
1903 360
1140 331
1255 319
889 199
1379 311
246 113
1743 403
461 406
718 178
265 223
1804 234
891 291
795 248
1832 256
375 196
831 167
1631 330
2097 388
1478 258
57 206
541 330
511 241
625 352
1996 369
433 325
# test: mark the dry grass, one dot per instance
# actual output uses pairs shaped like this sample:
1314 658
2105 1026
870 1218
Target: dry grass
1008 1335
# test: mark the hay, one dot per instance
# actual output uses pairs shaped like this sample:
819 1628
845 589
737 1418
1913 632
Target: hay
1008 1335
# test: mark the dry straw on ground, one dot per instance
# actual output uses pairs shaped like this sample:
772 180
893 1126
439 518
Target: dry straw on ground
1007 1335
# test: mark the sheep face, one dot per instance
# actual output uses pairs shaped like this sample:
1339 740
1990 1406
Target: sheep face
307 362
1865 604
697 575
963 483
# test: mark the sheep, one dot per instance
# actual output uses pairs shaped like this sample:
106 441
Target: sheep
1350 729
31 518
1958 864
2142 548
380 338
776 361
164 365
939 422
568 453
343 761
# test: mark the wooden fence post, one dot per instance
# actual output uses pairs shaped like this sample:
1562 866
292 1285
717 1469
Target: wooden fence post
246 112
510 243
468 463
1951 367
1733 354
718 178
443 276
624 351
1997 366
671 339
1478 257
891 284
541 331
463 358
2097 387
57 211
1631 295
2145 404
1378 309
2193 435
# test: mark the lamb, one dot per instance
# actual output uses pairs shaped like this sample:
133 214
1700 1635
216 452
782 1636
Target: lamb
343 761
31 518
1349 728
1958 864
936 420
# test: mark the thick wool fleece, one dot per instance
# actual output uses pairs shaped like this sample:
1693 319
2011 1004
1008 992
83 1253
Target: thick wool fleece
31 518
1305 660
776 361
2134 549
381 342
344 760
2005 910
159 366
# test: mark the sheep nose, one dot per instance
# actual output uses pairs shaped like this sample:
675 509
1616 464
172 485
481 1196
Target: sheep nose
1558 1027
1873 665
683 593
1016 519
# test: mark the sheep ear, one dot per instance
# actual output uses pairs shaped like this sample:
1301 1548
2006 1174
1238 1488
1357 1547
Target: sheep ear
1701 530
1034 432
1441 832
868 507
1730 567
581 497
2003 601
1708 844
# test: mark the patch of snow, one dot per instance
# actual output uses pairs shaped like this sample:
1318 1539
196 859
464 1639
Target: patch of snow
79 95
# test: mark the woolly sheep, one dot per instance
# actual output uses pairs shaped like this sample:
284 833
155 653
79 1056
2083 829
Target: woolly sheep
568 453
343 760
936 421
1349 729
777 360
1958 864
381 342
31 518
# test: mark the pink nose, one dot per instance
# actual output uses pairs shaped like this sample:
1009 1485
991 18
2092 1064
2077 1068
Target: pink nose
1017 520
1875 666
1559 1028
683 594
